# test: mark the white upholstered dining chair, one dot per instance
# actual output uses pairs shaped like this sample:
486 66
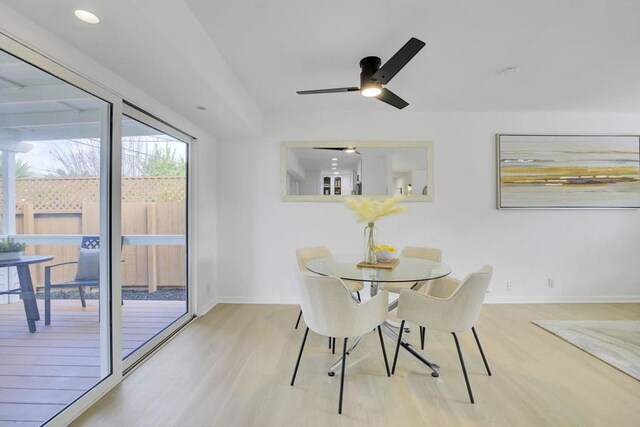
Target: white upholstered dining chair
457 312
431 254
329 309
305 255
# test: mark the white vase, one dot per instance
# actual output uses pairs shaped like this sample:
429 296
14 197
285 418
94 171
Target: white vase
8 256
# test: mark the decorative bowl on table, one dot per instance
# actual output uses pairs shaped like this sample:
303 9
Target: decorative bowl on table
385 253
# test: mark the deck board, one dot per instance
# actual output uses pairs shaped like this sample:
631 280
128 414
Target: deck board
47 383
41 373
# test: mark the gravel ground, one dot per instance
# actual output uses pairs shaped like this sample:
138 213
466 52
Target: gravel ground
162 294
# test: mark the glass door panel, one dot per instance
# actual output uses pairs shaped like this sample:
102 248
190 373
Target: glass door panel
154 228
54 292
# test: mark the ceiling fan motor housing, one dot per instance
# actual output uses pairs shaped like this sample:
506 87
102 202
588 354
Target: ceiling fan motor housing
369 66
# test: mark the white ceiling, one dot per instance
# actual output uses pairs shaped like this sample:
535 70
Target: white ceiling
574 55
318 159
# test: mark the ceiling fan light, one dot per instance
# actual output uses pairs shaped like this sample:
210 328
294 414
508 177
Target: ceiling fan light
371 90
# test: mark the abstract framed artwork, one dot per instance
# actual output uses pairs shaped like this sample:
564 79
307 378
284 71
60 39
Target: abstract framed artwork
568 171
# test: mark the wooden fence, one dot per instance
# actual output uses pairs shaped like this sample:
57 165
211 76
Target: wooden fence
150 205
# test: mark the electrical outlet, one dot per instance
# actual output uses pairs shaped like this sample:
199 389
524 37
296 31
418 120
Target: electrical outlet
508 286
551 283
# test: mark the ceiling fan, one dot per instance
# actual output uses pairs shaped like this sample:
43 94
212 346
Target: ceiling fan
373 77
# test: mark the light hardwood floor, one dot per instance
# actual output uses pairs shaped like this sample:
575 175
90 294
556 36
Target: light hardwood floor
42 372
233 366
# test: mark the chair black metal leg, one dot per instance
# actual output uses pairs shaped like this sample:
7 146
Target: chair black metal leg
395 358
329 342
47 305
384 352
81 291
295 371
344 365
484 359
358 293
333 345
423 331
464 370
299 317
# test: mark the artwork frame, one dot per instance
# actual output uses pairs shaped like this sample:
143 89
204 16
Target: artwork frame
570 171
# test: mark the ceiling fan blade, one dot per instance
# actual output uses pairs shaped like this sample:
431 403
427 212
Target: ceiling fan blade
335 90
398 61
392 99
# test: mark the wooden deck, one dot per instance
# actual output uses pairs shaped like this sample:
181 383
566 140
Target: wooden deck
43 372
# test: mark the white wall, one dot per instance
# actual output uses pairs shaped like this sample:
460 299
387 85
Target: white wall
205 149
591 254
376 175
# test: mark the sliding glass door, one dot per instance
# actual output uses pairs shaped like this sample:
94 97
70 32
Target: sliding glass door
154 227
55 288
94 265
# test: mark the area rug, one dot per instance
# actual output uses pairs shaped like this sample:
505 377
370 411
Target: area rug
616 342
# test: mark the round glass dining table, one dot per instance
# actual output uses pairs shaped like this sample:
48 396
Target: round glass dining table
412 270
407 270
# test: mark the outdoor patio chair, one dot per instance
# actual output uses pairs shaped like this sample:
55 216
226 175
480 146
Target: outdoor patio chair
87 273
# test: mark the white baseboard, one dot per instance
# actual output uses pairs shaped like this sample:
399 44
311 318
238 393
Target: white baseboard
559 299
488 300
207 308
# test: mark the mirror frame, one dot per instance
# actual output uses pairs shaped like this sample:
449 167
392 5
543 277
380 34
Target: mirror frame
286 145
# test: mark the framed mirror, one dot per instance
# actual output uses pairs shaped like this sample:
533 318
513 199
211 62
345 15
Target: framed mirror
334 170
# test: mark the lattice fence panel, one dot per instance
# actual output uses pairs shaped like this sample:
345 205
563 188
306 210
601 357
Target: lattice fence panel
67 194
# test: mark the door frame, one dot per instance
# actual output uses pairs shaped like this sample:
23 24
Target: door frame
110 187
138 355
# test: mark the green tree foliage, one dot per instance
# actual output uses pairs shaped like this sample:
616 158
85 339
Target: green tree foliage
23 169
163 162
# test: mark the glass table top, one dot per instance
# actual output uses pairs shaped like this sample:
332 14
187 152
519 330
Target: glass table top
407 270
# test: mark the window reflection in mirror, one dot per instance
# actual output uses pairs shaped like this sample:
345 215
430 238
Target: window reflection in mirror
322 171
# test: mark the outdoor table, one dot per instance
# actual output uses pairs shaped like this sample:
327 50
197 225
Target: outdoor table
26 292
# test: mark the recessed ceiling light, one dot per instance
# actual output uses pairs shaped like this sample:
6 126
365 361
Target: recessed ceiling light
335 159
334 168
336 173
350 150
87 17
201 108
334 164
512 69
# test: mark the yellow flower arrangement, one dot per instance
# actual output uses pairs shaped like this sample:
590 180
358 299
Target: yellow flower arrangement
385 248
370 210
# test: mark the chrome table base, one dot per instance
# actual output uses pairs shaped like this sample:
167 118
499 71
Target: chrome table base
388 328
